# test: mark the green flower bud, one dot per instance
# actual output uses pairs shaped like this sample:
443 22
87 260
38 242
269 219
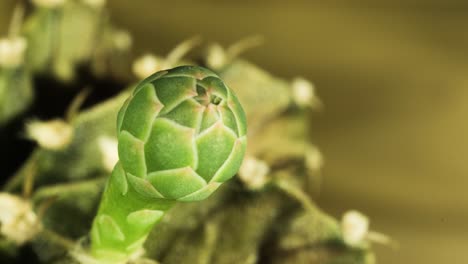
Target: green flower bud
181 134
183 131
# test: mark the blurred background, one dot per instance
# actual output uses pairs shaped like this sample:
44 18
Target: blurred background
393 77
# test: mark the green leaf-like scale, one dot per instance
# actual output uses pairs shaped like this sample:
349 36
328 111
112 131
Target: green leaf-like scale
196 72
174 184
121 114
201 194
149 79
188 113
131 154
214 85
109 228
144 219
141 111
143 187
170 146
172 91
228 118
214 147
209 118
235 106
233 162
119 179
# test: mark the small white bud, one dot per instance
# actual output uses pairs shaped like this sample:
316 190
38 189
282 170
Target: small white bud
216 57
54 134
18 222
49 3
303 93
356 233
122 40
355 228
254 172
109 152
313 158
95 3
12 52
147 65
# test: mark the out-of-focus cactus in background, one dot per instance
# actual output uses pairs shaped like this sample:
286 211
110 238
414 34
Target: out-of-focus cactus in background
65 35
266 214
16 90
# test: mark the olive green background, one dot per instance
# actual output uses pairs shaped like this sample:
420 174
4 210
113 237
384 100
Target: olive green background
393 77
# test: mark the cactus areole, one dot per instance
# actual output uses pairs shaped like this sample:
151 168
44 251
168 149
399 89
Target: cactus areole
181 134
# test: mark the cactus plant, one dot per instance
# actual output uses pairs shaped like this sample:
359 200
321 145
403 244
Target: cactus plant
52 27
181 134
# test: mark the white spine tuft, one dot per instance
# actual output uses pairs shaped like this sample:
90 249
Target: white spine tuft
12 52
54 134
108 148
147 65
254 172
355 227
18 221
303 93
313 158
216 57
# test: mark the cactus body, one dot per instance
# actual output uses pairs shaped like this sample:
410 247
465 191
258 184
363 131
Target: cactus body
181 134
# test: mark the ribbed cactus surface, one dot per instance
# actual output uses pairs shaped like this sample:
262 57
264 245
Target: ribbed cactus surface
181 134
